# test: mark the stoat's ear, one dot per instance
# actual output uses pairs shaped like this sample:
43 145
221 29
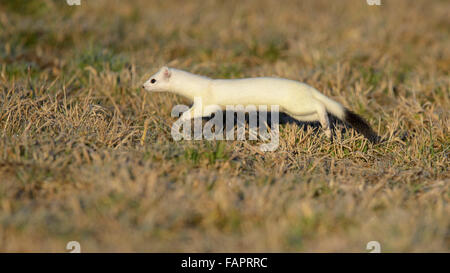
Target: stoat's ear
166 72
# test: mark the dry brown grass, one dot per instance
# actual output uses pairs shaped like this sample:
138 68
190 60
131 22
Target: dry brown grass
86 155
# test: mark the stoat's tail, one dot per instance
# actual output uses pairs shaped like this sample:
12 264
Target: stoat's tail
357 122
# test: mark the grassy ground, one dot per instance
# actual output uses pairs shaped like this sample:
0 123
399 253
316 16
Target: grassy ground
86 155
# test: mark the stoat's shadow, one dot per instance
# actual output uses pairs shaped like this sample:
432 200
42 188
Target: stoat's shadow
286 119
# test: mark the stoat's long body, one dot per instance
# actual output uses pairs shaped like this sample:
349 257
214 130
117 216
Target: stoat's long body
297 99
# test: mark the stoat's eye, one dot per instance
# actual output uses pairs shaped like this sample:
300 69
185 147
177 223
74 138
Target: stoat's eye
153 81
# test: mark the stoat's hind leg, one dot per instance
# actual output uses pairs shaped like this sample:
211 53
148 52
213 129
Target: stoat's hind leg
323 119
320 115
311 117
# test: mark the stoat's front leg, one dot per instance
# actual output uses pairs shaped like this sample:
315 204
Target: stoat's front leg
192 113
197 111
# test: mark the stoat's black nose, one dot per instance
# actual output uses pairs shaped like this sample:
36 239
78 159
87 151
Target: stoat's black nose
143 86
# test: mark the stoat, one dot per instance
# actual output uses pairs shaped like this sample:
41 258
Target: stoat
297 99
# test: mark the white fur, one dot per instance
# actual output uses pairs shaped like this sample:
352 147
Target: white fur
297 99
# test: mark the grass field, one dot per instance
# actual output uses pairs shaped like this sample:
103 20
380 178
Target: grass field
87 155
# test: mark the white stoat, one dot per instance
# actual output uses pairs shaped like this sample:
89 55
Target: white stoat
297 99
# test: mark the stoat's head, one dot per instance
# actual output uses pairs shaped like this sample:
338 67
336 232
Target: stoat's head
160 81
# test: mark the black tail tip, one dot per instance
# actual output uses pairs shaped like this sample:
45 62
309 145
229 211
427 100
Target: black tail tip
361 126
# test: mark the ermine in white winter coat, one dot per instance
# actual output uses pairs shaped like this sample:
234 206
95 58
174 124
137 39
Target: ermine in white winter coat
297 99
